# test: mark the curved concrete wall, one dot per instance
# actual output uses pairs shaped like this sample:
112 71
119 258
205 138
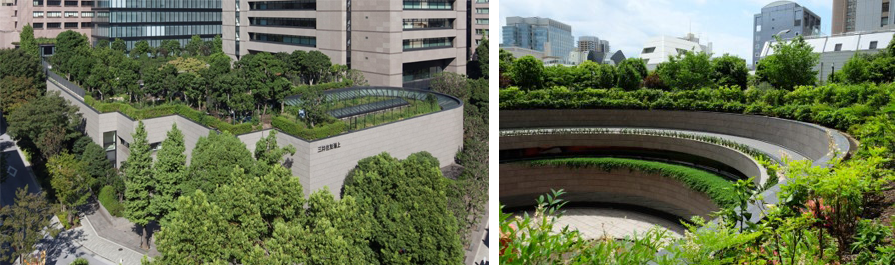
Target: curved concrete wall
733 158
521 184
439 133
809 140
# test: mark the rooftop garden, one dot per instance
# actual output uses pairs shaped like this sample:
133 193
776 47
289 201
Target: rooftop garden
198 81
840 214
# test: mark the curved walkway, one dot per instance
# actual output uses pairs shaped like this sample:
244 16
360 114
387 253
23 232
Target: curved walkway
599 223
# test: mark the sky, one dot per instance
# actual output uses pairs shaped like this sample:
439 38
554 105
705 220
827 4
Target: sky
628 24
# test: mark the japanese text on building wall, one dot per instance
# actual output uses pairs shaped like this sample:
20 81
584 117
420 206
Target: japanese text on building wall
328 147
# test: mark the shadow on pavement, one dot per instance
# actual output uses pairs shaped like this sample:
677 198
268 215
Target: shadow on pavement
63 245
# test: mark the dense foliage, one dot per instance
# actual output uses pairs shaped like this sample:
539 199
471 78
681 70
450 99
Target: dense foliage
791 65
22 224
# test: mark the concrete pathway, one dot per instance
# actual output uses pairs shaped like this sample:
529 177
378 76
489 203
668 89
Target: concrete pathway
477 254
598 223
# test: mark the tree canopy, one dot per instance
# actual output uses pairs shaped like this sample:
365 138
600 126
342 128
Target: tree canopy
791 65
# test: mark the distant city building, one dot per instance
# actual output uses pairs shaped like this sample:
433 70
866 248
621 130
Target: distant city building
835 51
519 52
862 16
48 18
591 43
616 58
541 34
784 18
478 24
577 57
156 21
658 49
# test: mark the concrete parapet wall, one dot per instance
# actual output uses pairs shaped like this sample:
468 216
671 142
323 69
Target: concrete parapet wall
809 140
733 158
521 184
439 133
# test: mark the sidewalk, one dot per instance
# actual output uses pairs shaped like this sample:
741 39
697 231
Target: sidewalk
106 248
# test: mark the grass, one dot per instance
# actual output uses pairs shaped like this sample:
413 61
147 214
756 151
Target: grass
357 102
109 199
716 187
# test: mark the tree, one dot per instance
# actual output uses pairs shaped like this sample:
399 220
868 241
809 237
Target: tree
730 70
22 224
71 182
196 234
791 64
174 47
631 72
856 70
453 84
506 60
411 223
119 45
98 166
882 70
314 104
141 49
139 184
217 45
592 75
268 153
687 71
192 47
213 160
27 42
528 73
42 120
18 63
103 43
169 171
264 72
16 92
314 65
481 52
336 233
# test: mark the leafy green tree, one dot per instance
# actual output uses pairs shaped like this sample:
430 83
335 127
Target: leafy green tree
213 160
169 171
103 43
99 167
196 234
27 42
192 47
312 65
506 60
265 75
791 65
71 182
17 62
453 84
119 45
16 92
268 153
141 49
45 118
337 233
882 70
631 73
217 45
730 70
314 104
139 184
22 223
856 70
174 47
126 78
528 73
411 223
481 52
592 75
69 44
560 75
687 71
100 80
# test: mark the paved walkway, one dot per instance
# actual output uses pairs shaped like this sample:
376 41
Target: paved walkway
597 223
118 230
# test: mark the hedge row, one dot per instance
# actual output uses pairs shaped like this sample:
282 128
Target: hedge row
302 131
168 109
718 189
109 199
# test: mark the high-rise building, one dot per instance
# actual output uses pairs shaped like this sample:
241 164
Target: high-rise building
392 42
552 37
47 17
594 44
156 20
478 24
784 19
862 16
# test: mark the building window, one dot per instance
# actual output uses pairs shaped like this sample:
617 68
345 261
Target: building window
481 1
86 25
648 50
284 5
54 14
38 14
886 7
87 3
481 32
873 45
54 3
71 13
284 22
481 11
431 23
481 21
54 25
415 44
71 25
38 2
884 21
758 28
798 23
86 14
429 4
681 51
38 26
71 3
286 39
838 47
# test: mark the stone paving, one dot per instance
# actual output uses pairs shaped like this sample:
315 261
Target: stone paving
119 230
595 223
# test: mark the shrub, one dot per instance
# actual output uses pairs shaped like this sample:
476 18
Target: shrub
108 197
654 81
528 72
80 261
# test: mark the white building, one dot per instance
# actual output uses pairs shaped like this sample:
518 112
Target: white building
658 49
835 51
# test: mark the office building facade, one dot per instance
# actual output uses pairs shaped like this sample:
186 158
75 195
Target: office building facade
836 51
156 20
391 42
784 18
47 17
477 24
591 43
552 37
862 16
